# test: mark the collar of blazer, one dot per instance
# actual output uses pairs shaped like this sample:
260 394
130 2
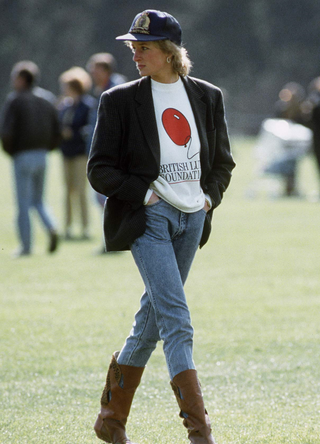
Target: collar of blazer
146 114
199 107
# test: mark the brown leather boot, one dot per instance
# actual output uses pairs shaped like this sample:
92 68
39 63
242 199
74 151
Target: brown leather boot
122 382
187 389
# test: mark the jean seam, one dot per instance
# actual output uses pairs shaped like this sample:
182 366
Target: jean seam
157 312
139 338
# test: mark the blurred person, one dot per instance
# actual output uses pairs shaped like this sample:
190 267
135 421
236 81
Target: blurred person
289 106
278 142
75 111
316 133
101 67
29 129
314 99
161 154
282 141
311 100
36 89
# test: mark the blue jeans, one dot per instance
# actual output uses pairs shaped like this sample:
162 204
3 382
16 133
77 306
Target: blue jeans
29 171
164 254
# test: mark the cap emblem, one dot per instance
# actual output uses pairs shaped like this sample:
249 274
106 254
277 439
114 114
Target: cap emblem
141 25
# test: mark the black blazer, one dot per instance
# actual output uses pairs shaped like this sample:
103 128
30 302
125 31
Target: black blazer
125 154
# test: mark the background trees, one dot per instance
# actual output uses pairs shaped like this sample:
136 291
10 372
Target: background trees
250 48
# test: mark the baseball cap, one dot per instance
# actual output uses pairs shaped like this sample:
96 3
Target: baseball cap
151 25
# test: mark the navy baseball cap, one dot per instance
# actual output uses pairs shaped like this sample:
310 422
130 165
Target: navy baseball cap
151 25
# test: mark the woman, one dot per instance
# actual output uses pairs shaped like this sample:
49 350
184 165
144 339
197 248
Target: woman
161 154
74 113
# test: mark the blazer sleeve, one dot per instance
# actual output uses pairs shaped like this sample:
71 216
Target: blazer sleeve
107 168
222 164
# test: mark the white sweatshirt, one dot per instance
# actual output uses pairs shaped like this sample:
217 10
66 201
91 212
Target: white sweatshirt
180 170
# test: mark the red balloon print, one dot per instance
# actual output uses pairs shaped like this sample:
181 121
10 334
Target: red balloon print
176 126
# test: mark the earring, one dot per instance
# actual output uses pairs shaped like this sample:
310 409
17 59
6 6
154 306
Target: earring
168 60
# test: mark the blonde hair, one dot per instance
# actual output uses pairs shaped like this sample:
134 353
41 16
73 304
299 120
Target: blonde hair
181 62
77 78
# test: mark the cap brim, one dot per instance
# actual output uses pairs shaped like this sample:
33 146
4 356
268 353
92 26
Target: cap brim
140 37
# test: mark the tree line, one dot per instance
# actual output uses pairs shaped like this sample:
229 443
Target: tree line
248 48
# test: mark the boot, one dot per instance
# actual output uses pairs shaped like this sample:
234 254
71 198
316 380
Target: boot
187 390
122 382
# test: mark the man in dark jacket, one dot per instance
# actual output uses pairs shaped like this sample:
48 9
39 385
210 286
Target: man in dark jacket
29 129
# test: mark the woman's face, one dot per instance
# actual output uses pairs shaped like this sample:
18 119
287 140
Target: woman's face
152 61
69 91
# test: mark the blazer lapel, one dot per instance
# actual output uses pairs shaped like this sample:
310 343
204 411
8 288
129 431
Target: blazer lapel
147 117
199 108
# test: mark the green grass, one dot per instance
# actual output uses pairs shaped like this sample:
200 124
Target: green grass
254 295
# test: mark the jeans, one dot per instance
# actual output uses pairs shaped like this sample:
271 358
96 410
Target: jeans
29 171
164 254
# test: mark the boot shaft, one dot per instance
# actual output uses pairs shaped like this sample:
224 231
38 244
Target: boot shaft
187 390
121 384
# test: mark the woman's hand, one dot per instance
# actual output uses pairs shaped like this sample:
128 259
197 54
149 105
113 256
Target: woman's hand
67 133
206 206
153 198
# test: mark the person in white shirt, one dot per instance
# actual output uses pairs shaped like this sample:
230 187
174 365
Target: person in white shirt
161 155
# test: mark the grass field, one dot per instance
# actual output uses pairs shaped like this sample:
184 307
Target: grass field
254 295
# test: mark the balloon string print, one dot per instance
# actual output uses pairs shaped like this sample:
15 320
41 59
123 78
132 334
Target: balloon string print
178 129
